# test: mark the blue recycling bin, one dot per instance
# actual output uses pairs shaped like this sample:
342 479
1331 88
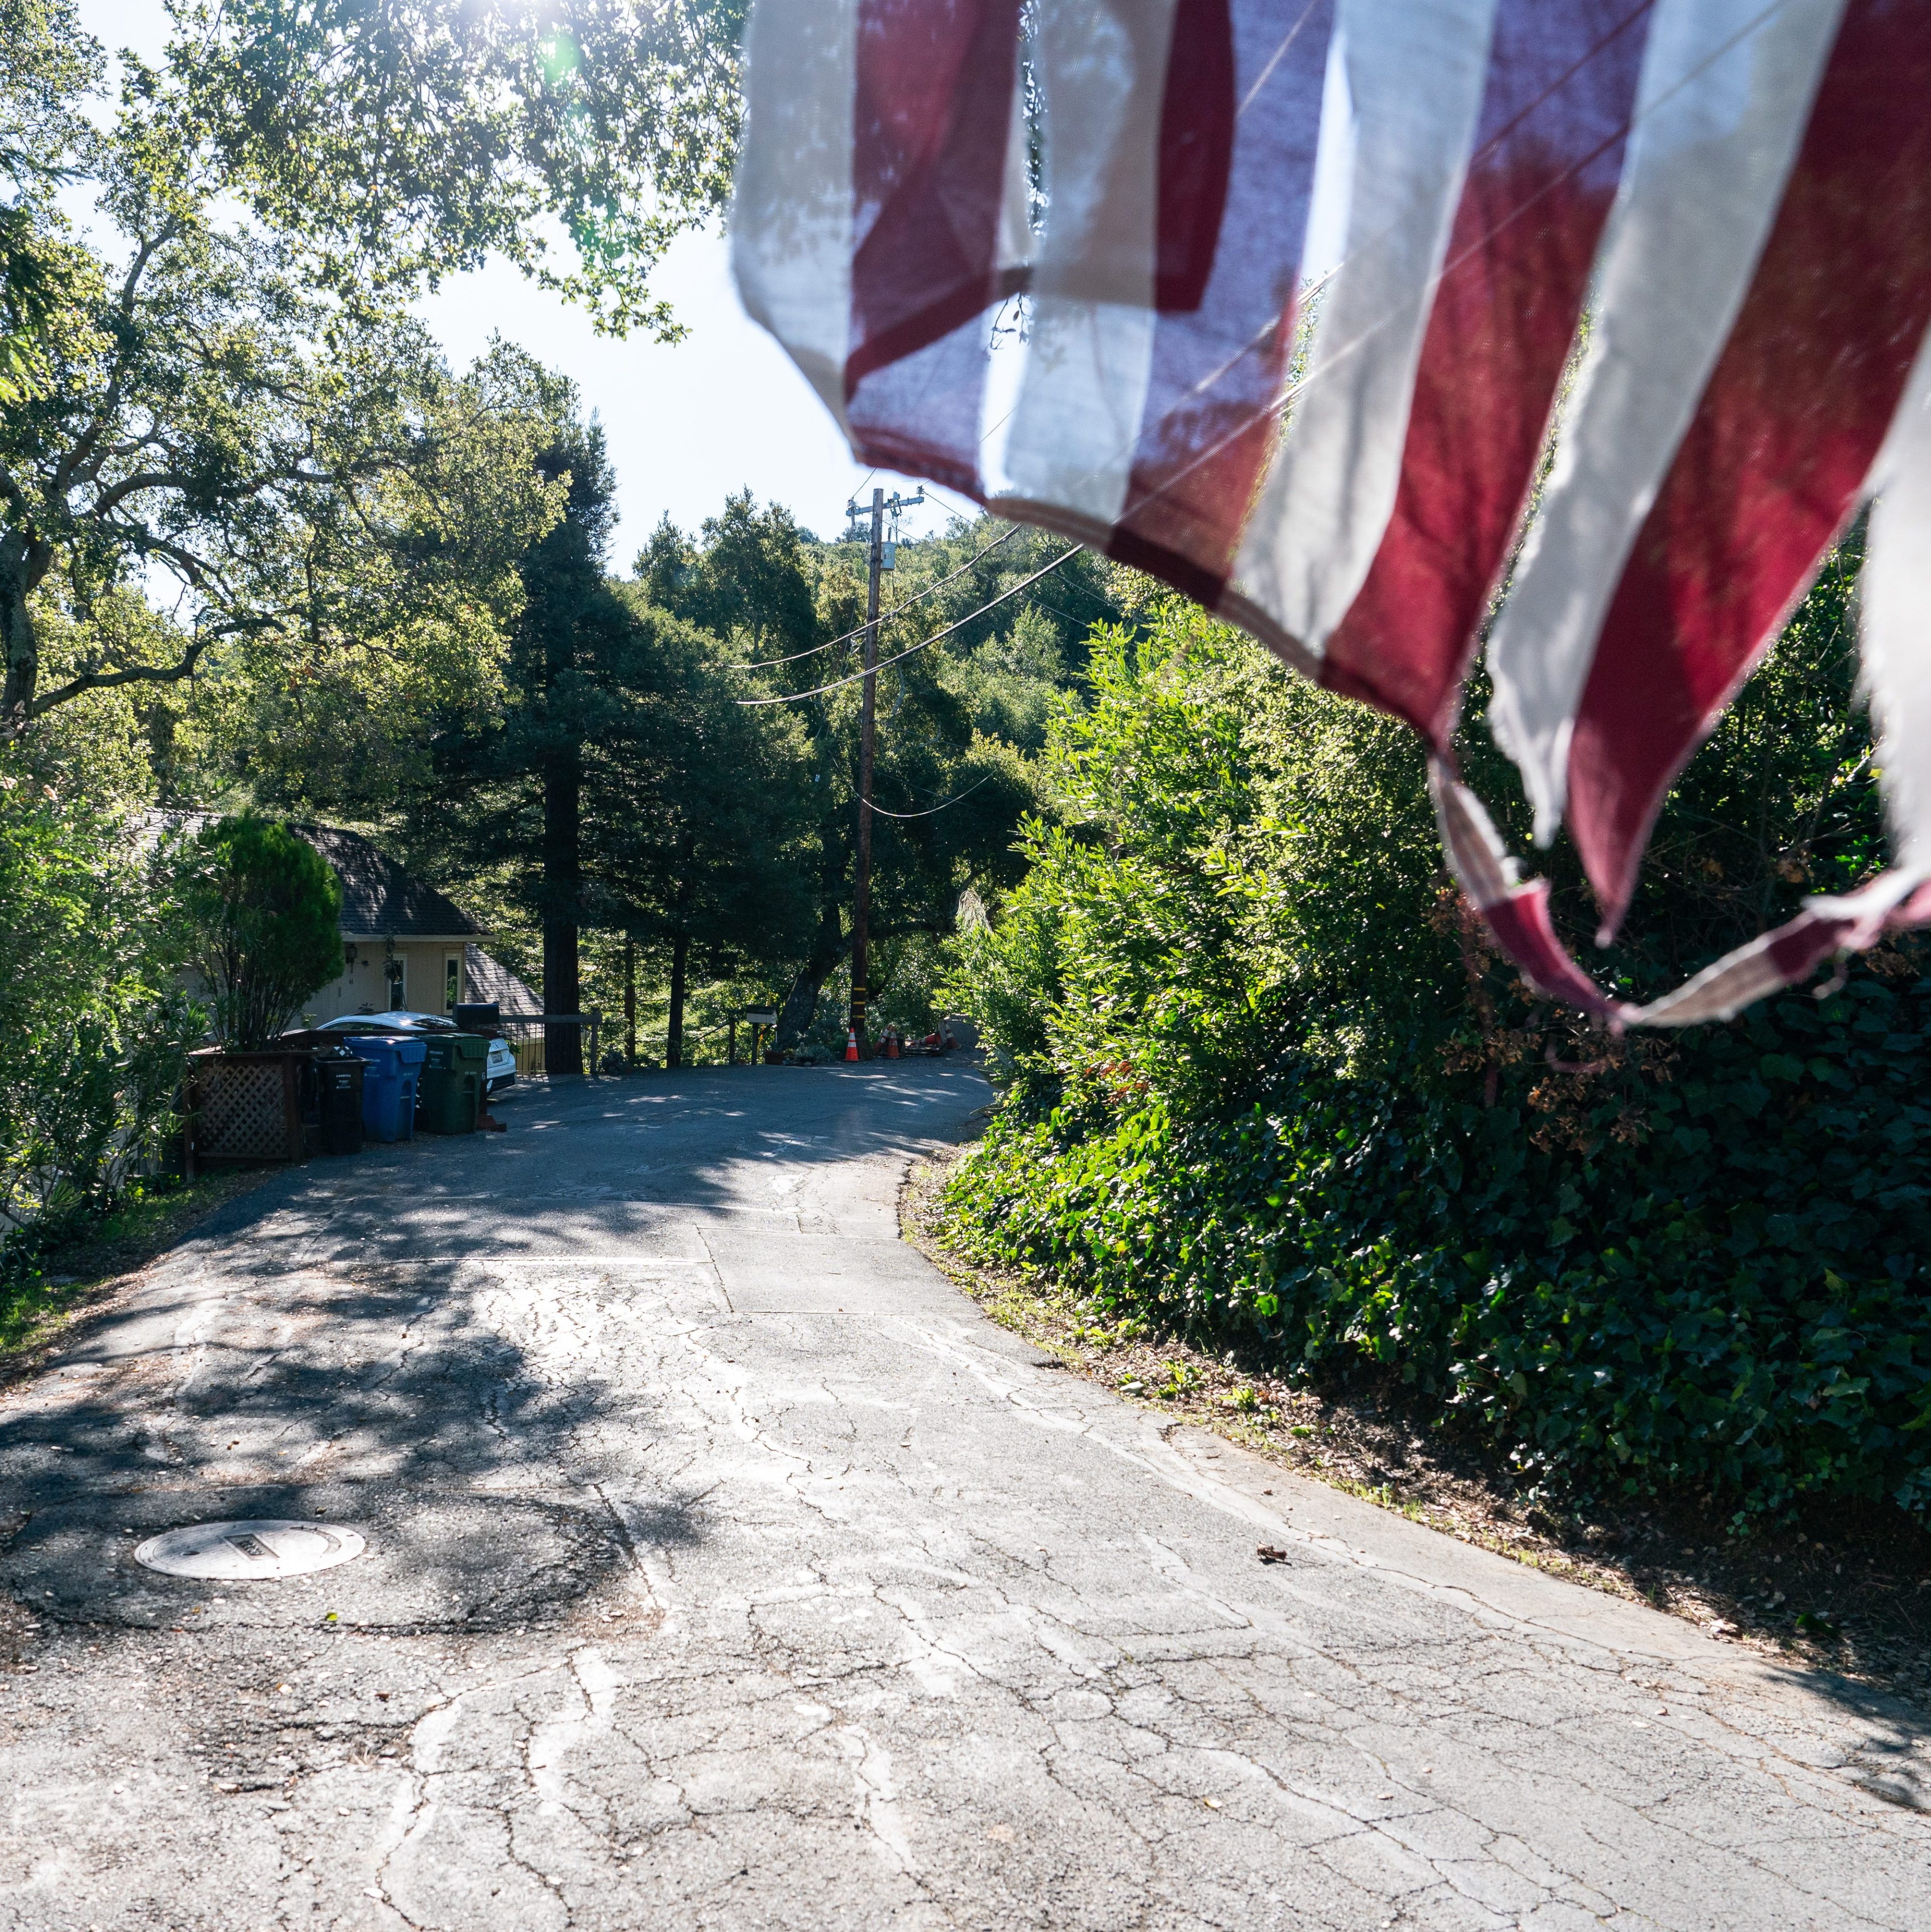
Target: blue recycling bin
388 1087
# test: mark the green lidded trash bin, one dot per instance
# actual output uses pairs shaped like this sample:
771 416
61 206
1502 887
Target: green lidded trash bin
454 1073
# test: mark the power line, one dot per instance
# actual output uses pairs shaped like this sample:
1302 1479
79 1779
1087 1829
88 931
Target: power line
930 808
767 664
839 684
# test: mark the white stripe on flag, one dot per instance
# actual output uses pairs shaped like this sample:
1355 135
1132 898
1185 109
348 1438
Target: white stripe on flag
1413 79
1101 66
1895 594
1721 110
1077 423
1016 205
791 213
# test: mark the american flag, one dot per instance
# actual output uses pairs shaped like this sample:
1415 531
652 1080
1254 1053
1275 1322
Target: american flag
1628 323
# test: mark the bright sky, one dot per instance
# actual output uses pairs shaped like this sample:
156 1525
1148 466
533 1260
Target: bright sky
687 425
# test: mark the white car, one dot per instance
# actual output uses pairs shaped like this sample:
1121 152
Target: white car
499 1070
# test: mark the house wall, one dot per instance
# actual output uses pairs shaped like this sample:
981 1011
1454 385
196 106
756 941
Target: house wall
364 987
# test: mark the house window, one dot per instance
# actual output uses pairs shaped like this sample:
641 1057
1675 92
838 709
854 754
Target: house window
452 982
398 980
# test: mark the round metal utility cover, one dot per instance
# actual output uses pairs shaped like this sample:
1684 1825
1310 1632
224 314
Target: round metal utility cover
248 1552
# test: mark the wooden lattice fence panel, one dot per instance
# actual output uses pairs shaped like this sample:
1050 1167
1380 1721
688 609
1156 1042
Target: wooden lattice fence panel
247 1107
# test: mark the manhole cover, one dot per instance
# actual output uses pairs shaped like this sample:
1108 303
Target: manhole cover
244 1552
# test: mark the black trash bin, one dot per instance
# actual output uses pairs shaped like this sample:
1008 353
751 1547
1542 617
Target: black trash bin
339 1094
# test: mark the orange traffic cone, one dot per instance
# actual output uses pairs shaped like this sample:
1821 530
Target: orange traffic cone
851 1043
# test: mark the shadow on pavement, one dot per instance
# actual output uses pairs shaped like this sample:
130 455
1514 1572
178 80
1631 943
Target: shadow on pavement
283 1363
392 1408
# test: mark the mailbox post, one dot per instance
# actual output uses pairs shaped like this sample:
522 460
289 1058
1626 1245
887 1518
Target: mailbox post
757 1018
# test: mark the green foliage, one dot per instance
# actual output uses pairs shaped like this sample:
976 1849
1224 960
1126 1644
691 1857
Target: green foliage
515 768
1266 1077
264 911
327 505
746 580
410 607
1013 681
949 796
906 975
407 140
93 1033
1235 862
1011 666
1012 979
698 815
45 61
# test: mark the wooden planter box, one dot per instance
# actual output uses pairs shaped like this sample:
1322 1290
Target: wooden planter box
245 1106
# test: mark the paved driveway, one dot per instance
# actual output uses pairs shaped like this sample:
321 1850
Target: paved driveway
726 1568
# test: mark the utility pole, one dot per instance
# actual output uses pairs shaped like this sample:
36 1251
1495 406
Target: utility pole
867 732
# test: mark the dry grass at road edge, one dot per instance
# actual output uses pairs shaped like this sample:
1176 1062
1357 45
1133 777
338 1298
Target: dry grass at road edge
1847 1591
82 1274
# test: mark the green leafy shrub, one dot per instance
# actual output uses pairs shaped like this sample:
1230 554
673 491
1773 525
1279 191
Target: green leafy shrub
264 909
94 1030
1267 1076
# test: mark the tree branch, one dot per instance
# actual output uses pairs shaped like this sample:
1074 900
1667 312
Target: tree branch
70 467
116 493
196 571
17 497
107 680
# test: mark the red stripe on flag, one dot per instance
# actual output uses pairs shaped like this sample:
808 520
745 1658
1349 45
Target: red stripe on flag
921 415
1548 153
933 101
1523 929
1782 441
1519 918
1209 420
1196 151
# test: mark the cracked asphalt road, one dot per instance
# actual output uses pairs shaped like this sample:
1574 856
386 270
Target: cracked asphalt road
727 1568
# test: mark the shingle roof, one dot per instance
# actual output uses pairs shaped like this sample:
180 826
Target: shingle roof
490 979
379 900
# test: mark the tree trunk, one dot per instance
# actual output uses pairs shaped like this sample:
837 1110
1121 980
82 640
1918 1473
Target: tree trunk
801 1002
630 997
17 577
563 813
680 960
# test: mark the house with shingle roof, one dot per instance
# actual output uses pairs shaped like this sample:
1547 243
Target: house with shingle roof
404 944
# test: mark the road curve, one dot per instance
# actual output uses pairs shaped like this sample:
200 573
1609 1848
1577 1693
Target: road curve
725 1568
